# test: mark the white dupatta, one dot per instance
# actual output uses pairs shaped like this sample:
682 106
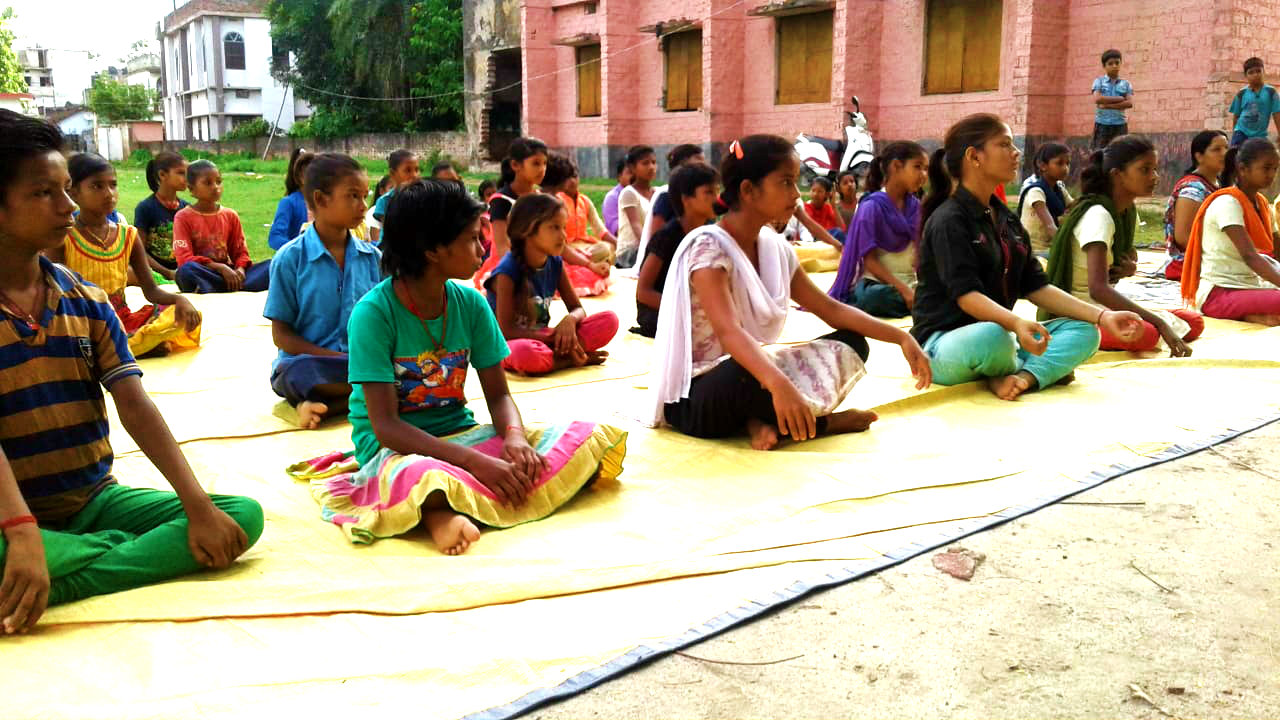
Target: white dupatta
761 301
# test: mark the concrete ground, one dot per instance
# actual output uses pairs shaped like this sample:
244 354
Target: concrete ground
1164 603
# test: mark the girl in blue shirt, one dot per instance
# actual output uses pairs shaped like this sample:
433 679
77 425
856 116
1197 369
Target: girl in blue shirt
291 213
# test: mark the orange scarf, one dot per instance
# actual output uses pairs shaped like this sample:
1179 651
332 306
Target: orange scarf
1257 223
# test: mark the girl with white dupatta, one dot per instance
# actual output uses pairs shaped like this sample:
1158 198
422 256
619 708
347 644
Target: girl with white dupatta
727 295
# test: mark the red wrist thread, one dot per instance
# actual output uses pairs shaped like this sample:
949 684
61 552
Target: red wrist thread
14 522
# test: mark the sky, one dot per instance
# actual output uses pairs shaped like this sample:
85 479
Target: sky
103 27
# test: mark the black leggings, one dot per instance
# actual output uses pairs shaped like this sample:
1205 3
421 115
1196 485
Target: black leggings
722 400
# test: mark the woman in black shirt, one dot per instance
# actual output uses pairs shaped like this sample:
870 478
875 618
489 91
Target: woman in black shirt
976 262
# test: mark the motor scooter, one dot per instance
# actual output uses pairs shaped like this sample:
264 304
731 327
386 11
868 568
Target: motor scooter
825 157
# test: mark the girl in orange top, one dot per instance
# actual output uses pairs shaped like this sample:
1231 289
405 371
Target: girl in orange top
103 252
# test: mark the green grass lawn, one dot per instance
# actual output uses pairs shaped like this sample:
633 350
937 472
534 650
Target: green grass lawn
254 193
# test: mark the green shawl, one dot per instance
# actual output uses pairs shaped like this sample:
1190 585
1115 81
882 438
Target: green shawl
1064 242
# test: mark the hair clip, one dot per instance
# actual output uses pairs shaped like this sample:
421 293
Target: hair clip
735 147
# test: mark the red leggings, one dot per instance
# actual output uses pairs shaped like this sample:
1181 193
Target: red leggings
1151 337
534 357
1233 304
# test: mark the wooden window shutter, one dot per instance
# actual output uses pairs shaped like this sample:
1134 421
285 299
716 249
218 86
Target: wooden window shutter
804 58
684 71
588 61
962 45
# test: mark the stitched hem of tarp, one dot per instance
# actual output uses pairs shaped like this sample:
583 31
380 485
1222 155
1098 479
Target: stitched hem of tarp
643 654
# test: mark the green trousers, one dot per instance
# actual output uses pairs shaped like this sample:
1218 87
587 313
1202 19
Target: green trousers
126 538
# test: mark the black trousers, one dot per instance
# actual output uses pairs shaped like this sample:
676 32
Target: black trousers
722 400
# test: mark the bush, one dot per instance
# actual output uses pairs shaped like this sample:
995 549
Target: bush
326 125
255 128
139 158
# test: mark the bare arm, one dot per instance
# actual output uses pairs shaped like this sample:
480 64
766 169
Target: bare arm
185 312
501 244
632 216
1184 215
598 226
214 538
1042 214
646 292
818 232
1266 269
1105 294
288 340
24 589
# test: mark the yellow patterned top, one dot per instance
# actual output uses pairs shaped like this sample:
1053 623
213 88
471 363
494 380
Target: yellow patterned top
106 267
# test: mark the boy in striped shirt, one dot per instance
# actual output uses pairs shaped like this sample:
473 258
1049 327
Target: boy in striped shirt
67 529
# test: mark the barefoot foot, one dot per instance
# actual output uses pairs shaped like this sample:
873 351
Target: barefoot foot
763 436
850 421
310 413
451 532
1010 387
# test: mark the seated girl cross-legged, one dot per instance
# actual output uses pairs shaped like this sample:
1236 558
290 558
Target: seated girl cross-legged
727 294
976 263
1094 246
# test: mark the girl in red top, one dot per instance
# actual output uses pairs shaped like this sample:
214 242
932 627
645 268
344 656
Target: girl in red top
822 210
208 242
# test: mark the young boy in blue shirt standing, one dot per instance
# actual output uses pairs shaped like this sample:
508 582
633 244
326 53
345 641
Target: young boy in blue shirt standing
320 276
1254 106
1112 96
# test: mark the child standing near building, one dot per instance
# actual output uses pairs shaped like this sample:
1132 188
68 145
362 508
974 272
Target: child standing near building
103 252
413 338
634 202
153 217
1044 197
291 212
693 190
1256 106
70 531
208 241
1230 269
316 281
524 285
1112 96
877 271
1099 230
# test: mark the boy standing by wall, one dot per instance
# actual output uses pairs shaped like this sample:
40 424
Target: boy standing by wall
1112 96
1254 106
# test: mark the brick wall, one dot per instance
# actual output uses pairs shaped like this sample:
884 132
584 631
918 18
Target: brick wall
453 144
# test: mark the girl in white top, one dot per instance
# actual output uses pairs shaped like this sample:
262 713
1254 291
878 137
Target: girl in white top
1230 269
727 295
1100 229
634 202
1044 198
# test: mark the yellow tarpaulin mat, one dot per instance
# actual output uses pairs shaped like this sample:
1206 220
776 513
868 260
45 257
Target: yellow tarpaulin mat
695 535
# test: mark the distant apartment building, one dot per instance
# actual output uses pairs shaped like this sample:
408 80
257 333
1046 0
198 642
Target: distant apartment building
56 78
216 61
143 69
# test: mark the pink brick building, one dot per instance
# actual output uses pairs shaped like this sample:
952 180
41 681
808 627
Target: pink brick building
738 65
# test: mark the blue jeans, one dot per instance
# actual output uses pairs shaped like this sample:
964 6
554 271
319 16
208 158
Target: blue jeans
878 299
985 350
197 278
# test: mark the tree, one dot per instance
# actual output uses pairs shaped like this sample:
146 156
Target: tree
11 80
437 37
115 102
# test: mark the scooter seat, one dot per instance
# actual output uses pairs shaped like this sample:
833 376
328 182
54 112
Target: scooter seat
833 146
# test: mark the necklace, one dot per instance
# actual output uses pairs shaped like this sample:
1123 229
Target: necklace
102 241
437 346
170 205
18 312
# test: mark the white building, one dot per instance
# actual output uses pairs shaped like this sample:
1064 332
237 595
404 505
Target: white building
21 103
216 70
56 77
143 69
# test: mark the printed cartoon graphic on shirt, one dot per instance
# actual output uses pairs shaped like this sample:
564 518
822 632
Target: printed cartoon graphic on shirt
538 313
431 380
160 241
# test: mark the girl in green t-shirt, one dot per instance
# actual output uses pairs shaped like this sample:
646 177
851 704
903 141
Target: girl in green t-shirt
422 456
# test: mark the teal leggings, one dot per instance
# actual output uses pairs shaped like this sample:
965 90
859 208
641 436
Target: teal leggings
126 538
984 350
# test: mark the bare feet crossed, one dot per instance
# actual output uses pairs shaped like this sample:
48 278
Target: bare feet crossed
850 421
763 435
310 413
1010 387
451 532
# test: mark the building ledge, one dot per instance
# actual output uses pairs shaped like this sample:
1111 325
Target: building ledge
671 27
780 8
578 40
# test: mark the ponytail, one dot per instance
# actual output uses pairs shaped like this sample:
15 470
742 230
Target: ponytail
1228 177
1243 155
901 151
166 160
1093 179
947 162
